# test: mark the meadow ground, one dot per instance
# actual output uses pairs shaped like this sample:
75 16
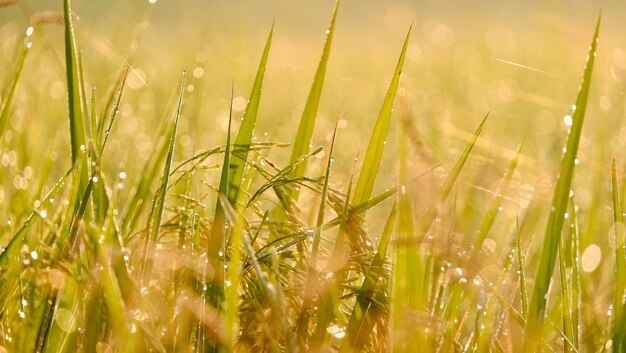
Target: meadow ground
182 176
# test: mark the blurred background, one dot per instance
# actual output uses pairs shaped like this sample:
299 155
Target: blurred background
521 61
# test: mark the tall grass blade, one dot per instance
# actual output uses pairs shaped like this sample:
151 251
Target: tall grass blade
310 289
560 200
74 86
374 154
142 190
522 274
619 314
7 100
216 251
244 136
158 205
408 285
496 206
307 121
431 213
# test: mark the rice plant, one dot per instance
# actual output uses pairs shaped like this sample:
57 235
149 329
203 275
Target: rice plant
215 236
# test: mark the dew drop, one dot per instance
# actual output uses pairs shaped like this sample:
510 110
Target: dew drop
567 120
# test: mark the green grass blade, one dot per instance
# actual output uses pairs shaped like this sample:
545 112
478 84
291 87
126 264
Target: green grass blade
218 232
321 209
409 274
521 267
93 118
7 100
495 207
310 290
111 104
158 205
217 238
9 251
619 321
560 200
74 86
431 213
100 197
244 136
307 121
103 135
576 280
369 169
142 190
340 252
566 296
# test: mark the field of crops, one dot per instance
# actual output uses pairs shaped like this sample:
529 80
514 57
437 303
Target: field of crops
312 176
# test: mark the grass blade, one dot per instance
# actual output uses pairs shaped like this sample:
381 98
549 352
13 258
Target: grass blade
369 170
431 213
495 208
307 121
244 136
560 200
408 285
217 238
158 205
7 100
619 321
149 173
521 267
74 85
310 290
